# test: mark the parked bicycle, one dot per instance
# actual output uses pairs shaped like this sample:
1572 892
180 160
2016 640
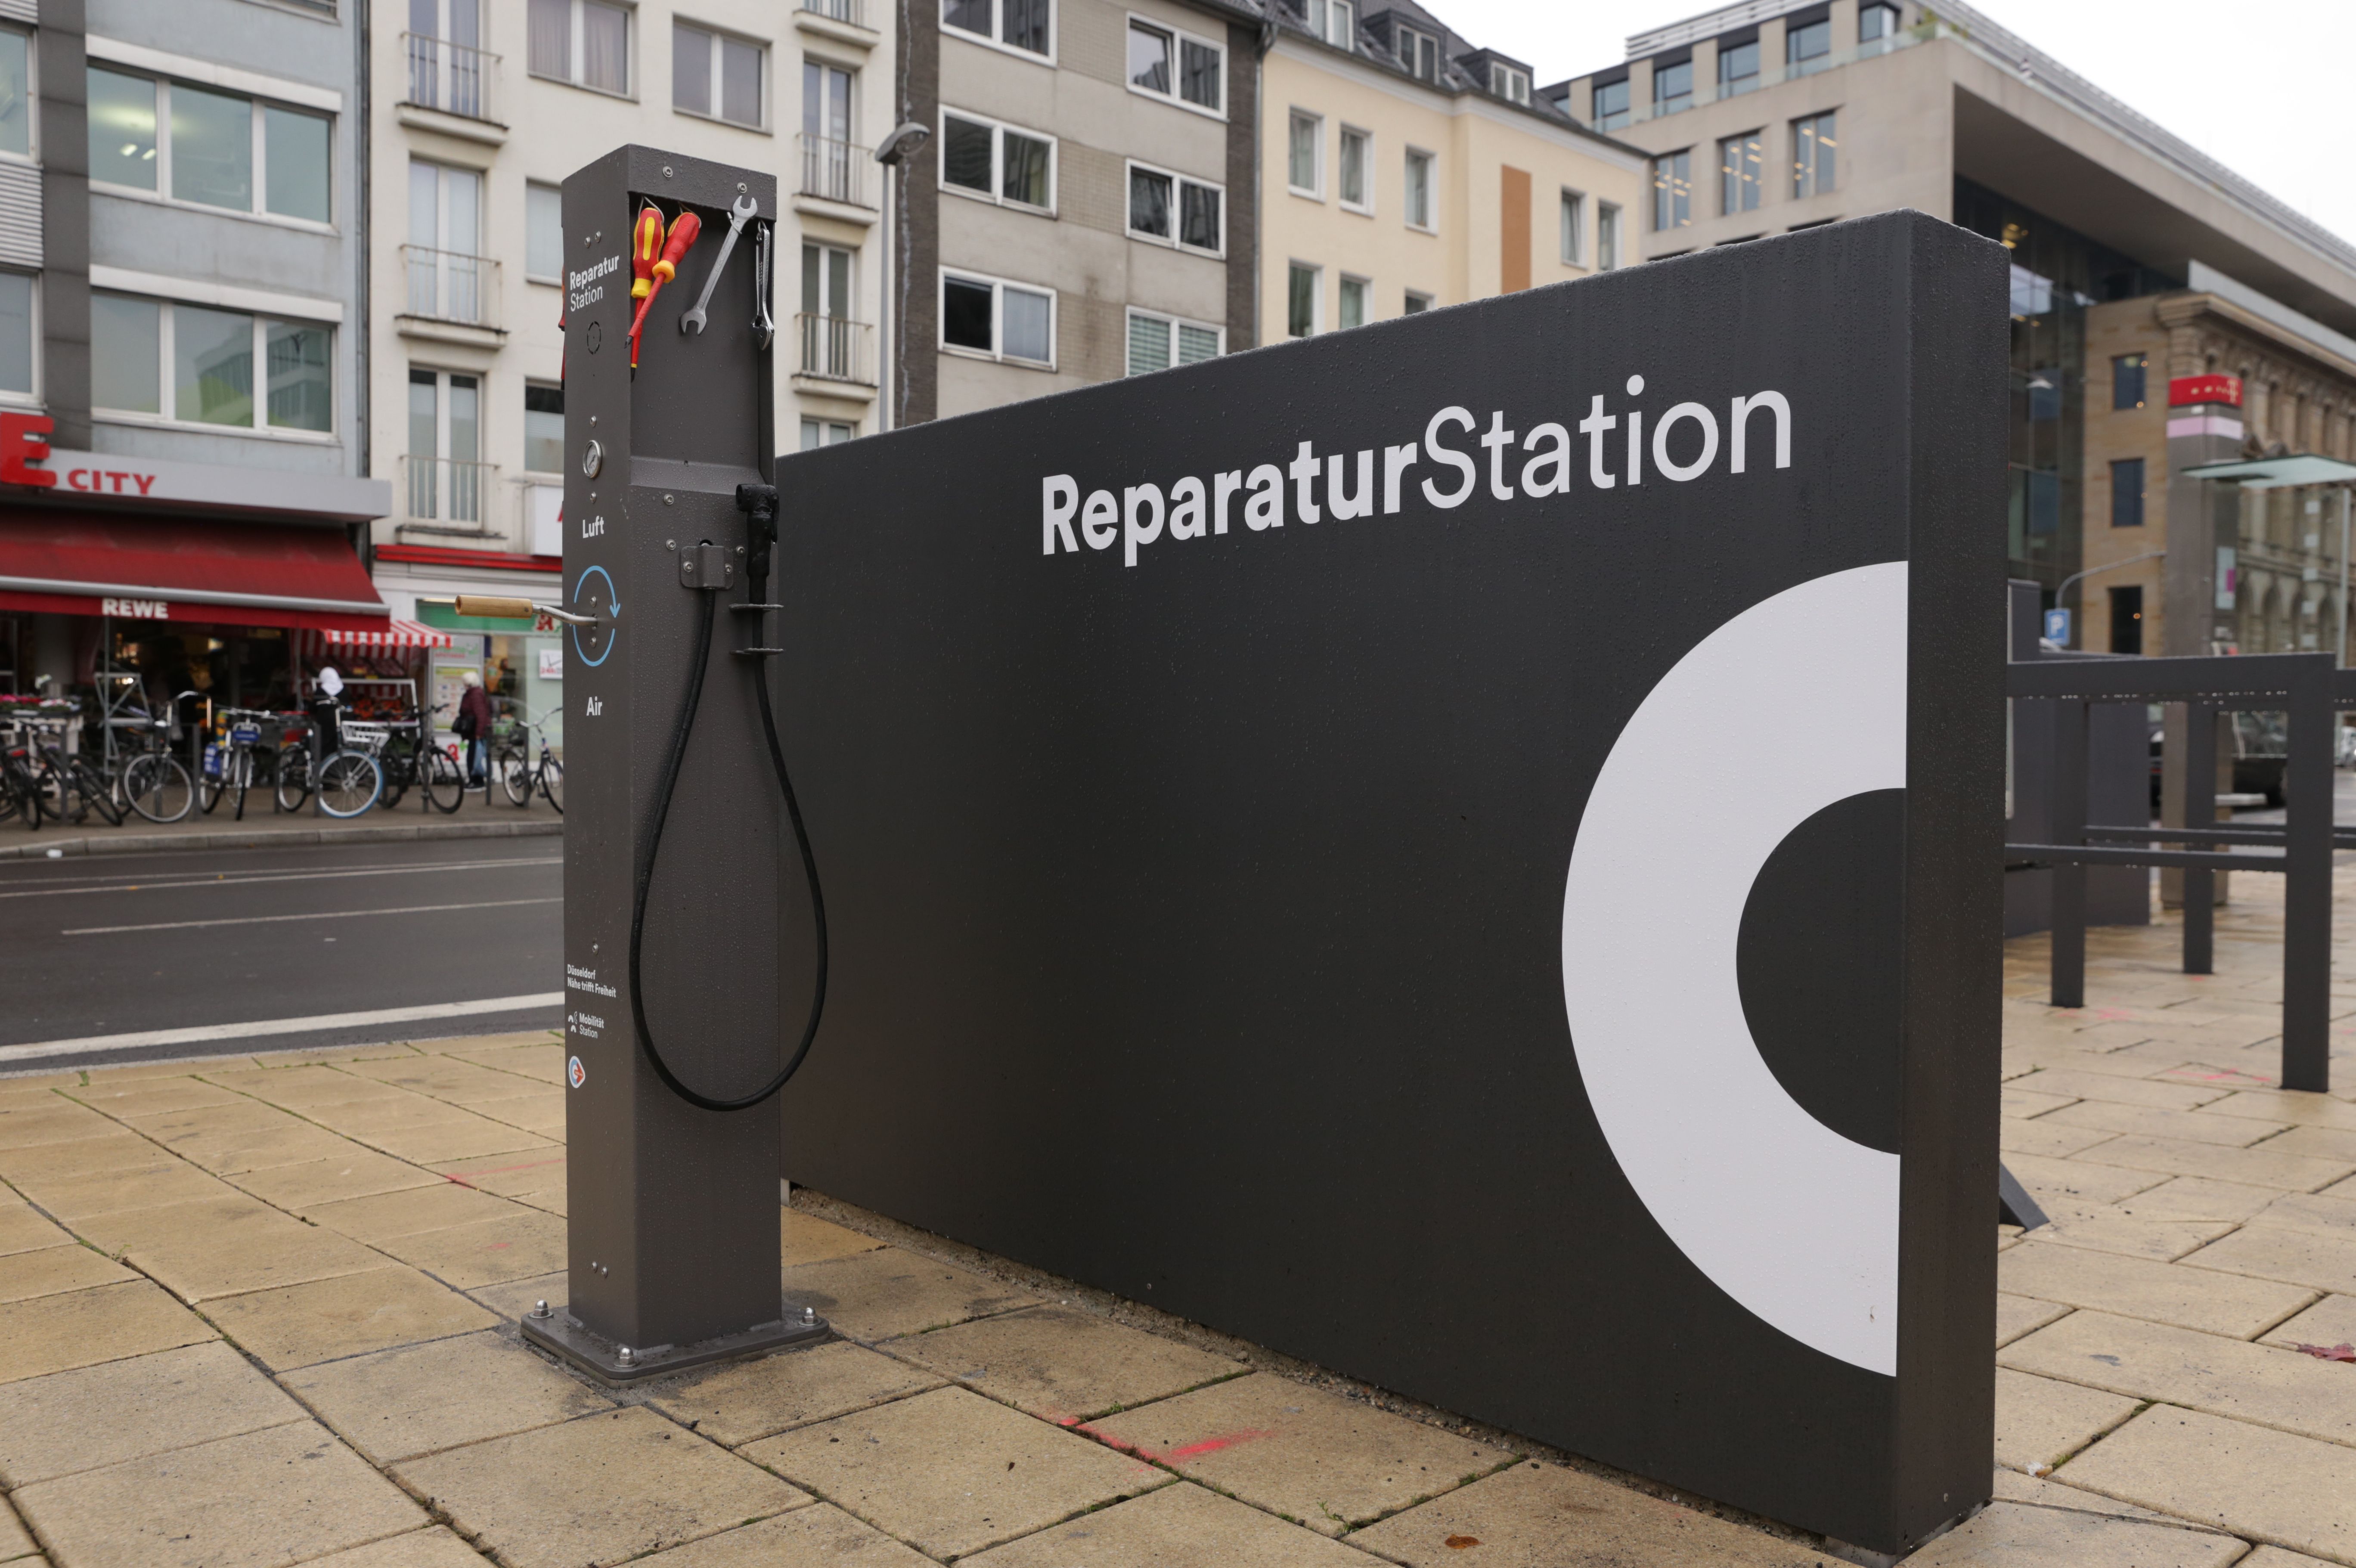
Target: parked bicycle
154 782
244 758
409 758
513 764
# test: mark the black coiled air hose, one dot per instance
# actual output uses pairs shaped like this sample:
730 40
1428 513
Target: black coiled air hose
646 876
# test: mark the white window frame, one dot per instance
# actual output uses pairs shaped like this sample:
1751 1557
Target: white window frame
1366 299
1516 83
1324 20
1408 41
1317 191
167 313
762 126
1573 215
1177 208
35 397
1055 35
32 153
996 355
1607 257
1316 297
1365 209
523 464
1179 37
1430 191
1173 323
529 276
819 424
1431 302
255 104
998 129
634 55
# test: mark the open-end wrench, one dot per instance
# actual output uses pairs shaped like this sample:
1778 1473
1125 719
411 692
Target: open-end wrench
743 207
764 328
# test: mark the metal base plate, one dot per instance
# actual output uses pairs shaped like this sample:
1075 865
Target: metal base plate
603 1359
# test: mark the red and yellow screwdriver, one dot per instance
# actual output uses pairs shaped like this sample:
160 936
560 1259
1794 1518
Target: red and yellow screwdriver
652 272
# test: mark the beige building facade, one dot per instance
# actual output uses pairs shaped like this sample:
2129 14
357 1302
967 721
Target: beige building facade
1388 191
1086 207
2137 262
484 106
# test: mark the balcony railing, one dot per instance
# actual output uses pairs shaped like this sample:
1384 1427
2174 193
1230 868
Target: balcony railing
834 170
850 11
444 285
447 493
453 78
834 349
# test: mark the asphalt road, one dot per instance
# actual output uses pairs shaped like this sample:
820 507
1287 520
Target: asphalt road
206 953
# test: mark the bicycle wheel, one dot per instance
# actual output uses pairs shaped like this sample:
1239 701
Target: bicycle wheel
515 780
440 782
157 787
293 777
395 772
349 783
240 778
91 784
551 782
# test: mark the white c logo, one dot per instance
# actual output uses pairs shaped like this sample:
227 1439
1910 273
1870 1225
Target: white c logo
1793 704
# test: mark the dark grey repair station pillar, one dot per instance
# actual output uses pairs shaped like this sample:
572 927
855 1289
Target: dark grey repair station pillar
673 1208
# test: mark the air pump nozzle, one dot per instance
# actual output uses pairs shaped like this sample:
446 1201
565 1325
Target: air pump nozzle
759 504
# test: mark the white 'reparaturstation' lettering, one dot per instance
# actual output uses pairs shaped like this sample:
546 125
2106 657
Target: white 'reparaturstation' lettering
1363 481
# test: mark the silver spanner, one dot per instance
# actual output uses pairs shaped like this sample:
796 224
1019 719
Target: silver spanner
743 207
764 328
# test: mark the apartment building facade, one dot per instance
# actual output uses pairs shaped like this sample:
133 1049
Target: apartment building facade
183 487
2143 270
484 106
1086 206
1406 170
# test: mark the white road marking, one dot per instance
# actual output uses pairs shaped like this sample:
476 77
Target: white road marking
225 881
102 1044
328 914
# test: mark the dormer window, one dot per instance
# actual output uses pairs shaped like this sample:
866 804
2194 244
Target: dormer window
1509 83
1420 53
1336 21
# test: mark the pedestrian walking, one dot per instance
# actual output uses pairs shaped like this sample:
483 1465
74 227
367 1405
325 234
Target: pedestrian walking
473 725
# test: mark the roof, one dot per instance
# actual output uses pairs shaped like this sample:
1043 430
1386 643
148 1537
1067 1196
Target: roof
2267 473
1374 47
1978 32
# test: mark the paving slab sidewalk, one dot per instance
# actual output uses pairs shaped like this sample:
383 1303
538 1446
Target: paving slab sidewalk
263 1310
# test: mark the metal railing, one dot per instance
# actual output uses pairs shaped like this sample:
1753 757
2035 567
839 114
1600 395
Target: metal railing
453 78
447 490
446 285
834 349
850 11
834 170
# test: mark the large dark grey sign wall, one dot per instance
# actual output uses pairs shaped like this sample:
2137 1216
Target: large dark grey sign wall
1463 850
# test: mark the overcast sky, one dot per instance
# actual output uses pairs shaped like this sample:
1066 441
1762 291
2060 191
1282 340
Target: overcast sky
2252 85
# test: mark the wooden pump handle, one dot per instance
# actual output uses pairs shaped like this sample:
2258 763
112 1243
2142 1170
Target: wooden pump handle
497 609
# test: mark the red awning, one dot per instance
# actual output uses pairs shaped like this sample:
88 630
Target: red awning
184 569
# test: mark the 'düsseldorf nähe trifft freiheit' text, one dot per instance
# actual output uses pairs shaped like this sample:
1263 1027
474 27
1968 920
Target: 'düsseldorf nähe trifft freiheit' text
1445 468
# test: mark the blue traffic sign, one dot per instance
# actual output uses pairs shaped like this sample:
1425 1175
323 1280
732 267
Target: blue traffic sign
2057 626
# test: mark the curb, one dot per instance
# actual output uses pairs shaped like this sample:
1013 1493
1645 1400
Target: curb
37 848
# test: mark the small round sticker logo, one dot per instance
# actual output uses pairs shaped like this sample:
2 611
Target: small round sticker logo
575 1071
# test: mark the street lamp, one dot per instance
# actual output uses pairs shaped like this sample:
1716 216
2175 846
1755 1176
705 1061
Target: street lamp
897 148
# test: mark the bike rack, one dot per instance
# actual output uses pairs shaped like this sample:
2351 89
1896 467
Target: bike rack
2305 686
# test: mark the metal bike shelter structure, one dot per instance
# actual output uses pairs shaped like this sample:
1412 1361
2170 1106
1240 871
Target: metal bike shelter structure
2308 690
